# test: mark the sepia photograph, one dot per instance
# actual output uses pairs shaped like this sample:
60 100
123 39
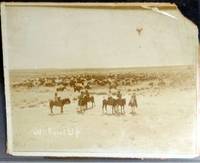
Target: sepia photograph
100 80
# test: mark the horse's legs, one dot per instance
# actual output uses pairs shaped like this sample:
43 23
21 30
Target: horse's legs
93 103
116 109
51 108
124 109
132 109
61 109
112 109
135 109
103 108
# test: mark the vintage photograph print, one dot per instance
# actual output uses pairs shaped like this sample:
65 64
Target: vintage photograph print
100 80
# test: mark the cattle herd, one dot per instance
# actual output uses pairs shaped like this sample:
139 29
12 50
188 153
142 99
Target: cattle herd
90 81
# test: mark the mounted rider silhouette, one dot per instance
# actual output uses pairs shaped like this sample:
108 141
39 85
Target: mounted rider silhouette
119 95
56 97
87 94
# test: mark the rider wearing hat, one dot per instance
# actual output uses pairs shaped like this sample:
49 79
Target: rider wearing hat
119 95
56 98
81 95
87 93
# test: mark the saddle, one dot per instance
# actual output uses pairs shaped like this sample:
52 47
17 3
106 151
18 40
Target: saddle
58 100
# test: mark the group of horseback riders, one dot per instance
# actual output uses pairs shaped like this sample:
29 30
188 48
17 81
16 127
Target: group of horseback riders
85 97
118 101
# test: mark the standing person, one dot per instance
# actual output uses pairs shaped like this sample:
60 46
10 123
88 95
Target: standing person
133 103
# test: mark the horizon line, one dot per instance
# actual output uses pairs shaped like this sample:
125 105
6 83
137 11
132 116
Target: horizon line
92 68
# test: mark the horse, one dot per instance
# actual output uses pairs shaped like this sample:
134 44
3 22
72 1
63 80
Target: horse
110 101
83 102
121 102
60 103
89 99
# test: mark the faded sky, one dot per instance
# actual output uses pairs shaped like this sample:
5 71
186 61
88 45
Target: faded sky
40 37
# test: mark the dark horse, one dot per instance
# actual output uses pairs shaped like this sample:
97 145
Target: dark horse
114 103
60 103
121 102
110 101
83 102
61 88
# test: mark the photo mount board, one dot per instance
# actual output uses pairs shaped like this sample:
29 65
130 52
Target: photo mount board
163 10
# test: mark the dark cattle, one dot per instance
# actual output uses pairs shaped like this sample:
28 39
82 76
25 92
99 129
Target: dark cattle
60 88
72 83
49 84
78 88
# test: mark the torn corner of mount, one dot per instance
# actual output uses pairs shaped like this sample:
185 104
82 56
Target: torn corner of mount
157 10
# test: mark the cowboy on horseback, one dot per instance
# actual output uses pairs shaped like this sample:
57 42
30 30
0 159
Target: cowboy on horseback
119 95
109 95
56 97
87 95
81 96
81 101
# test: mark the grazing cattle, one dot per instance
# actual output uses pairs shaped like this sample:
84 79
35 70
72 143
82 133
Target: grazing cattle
16 85
72 83
49 84
28 84
78 88
151 84
113 86
87 87
59 103
61 88
161 83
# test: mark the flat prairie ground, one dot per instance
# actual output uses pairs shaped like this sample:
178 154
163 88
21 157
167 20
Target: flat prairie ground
164 122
